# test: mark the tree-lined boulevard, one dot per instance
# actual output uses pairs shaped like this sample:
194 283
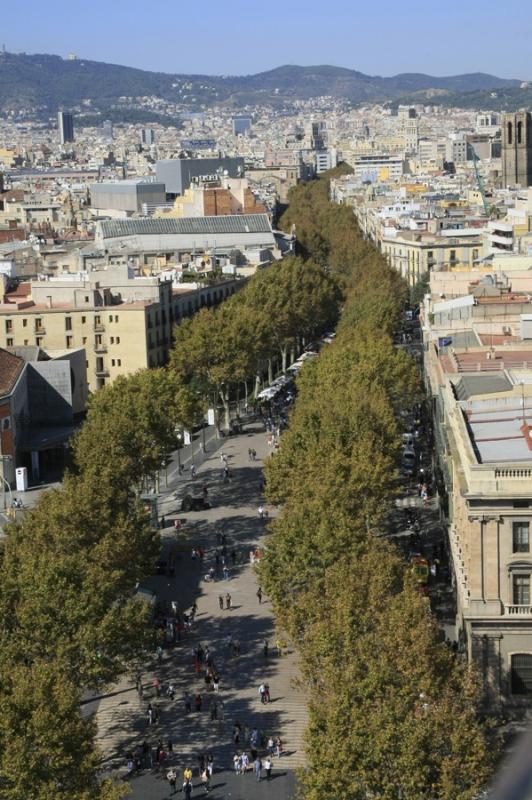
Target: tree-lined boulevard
391 711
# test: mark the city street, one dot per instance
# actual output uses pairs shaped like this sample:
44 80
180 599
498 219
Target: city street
122 715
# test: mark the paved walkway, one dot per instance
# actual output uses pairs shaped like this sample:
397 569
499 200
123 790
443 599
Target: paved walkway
122 716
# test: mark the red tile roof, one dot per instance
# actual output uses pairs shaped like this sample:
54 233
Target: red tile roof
10 368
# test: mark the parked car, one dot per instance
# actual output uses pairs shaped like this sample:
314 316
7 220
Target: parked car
420 570
409 460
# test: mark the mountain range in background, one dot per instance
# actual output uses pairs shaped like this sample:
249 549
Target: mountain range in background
37 85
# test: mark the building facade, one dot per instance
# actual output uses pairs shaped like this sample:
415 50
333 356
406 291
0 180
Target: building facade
65 126
123 323
517 149
178 173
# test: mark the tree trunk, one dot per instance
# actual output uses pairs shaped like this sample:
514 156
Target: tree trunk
224 396
216 416
270 371
258 383
284 356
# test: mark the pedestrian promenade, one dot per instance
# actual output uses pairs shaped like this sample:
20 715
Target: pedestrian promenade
122 716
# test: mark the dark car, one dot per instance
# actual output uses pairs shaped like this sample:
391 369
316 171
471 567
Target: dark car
191 503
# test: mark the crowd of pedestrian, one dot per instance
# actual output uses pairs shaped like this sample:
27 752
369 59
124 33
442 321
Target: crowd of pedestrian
254 750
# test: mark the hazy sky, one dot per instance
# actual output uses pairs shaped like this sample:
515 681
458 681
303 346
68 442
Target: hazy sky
379 37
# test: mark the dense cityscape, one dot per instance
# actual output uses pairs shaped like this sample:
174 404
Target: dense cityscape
266 377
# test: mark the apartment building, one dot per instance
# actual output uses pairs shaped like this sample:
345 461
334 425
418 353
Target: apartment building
123 323
478 368
413 254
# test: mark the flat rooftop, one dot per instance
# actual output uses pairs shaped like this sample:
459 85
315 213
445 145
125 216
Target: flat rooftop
489 360
496 429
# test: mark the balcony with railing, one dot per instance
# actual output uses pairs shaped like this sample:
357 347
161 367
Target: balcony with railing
518 610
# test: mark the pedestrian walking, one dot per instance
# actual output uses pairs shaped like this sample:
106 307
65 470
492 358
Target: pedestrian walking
188 704
244 763
201 764
210 764
215 683
228 600
259 592
221 602
226 573
278 747
261 512
156 683
265 648
262 693
268 768
187 789
236 763
171 777
197 702
254 738
214 710
206 780
192 471
271 745
257 768
267 698
150 714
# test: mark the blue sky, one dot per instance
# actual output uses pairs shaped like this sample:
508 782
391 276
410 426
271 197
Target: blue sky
245 36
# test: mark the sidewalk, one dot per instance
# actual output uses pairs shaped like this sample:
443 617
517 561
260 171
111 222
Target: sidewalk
121 716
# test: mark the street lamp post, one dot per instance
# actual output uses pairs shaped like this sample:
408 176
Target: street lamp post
3 459
4 484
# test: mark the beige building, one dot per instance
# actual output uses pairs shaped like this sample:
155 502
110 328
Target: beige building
478 367
414 253
228 196
123 323
488 466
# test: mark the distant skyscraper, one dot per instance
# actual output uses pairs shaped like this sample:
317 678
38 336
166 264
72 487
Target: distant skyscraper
107 130
241 125
65 124
517 149
147 136
317 130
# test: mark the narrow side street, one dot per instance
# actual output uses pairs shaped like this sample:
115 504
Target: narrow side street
122 716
